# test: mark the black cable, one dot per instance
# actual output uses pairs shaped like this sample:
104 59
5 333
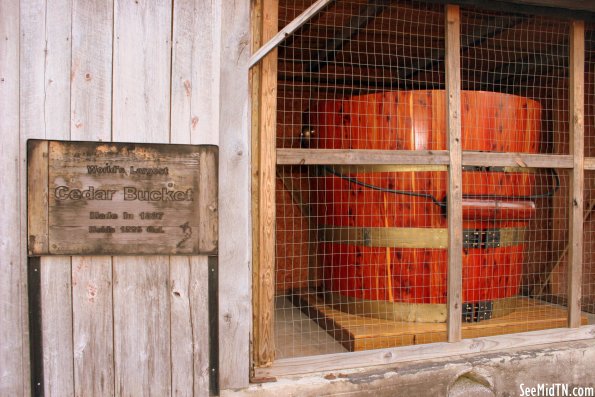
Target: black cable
382 189
442 204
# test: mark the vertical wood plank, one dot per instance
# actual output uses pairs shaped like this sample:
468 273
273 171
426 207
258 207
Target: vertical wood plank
141 70
45 59
206 58
255 76
195 72
141 326
190 326
141 100
56 294
455 223
264 307
235 320
91 99
92 326
14 351
194 119
37 193
182 327
576 101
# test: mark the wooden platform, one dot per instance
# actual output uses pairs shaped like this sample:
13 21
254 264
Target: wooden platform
358 333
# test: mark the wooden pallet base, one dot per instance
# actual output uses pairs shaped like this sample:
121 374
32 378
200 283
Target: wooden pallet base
358 333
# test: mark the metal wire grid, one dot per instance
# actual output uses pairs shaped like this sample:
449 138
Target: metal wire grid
350 52
588 286
590 90
360 249
524 55
371 260
508 275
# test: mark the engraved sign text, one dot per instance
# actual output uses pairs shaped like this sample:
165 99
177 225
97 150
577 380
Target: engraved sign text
118 198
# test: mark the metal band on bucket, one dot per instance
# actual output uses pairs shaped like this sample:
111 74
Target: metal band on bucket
363 168
417 237
404 311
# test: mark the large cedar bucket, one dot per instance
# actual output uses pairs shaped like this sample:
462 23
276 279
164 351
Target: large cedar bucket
384 253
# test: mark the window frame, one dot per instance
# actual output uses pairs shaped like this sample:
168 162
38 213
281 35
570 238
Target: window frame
265 157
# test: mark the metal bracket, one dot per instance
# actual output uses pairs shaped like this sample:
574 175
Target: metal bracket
477 311
475 238
479 168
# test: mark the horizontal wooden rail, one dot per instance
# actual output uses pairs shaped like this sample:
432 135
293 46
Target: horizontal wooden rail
340 156
368 358
421 157
517 159
590 163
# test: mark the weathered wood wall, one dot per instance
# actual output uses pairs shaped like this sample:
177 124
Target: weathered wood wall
14 348
132 71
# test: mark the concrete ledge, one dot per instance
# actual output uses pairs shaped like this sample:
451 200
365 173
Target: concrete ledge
497 373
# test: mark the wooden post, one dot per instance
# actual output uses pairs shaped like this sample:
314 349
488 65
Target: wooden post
264 349
575 238
255 76
455 223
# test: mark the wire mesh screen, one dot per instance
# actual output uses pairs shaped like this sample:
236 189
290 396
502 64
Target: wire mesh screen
588 285
515 227
590 90
522 60
353 52
588 288
523 55
361 250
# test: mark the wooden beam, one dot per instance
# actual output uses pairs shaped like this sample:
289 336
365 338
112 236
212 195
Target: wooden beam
570 9
478 36
575 238
355 157
525 68
263 301
291 27
517 160
584 5
368 358
255 77
356 23
420 157
455 173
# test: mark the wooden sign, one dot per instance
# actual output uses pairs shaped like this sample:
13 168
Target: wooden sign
94 198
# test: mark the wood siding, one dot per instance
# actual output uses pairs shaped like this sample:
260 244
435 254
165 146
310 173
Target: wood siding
131 71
